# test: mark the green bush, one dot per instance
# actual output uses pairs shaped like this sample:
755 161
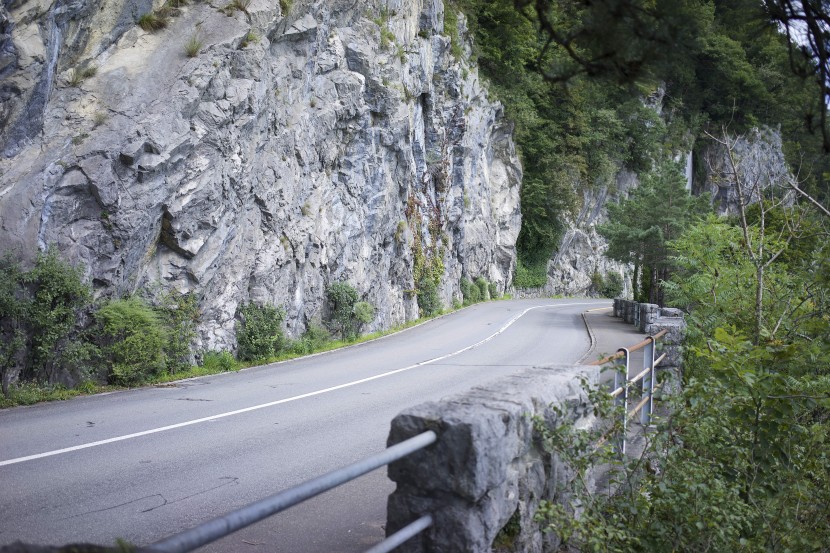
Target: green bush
530 276
483 288
364 312
612 286
342 297
609 286
313 339
429 301
471 292
180 314
259 332
133 340
216 361
494 291
12 319
56 298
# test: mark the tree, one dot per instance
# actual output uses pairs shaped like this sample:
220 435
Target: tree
807 25
639 227
57 295
762 247
619 40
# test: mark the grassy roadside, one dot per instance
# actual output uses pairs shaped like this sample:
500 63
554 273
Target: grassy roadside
30 393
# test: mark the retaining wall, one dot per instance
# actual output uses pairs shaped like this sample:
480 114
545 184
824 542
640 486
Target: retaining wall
651 319
487 467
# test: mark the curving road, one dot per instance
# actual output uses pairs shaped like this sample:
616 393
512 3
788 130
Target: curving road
143 464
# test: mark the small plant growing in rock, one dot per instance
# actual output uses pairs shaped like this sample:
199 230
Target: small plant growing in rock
193 45
399 232
153 21
79 74
249 38
236 5
99 119
285 6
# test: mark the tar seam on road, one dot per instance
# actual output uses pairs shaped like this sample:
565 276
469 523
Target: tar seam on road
507 325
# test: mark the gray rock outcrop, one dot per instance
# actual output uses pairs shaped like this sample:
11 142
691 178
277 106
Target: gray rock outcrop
581 252
339 141
758 158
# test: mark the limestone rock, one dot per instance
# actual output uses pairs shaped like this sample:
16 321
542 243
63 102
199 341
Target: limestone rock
581 251
293 151
759 158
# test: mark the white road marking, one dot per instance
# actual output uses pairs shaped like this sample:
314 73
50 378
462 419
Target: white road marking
507 325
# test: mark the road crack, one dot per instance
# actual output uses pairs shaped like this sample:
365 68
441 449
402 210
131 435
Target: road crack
162 500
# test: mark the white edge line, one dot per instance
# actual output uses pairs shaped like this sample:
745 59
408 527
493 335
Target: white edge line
507 325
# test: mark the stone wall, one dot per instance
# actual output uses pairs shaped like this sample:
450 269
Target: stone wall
486 468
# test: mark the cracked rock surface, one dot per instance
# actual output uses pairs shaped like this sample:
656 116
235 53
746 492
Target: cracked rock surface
334 142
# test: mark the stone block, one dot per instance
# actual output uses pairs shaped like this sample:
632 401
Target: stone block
486 465
648 314
671 313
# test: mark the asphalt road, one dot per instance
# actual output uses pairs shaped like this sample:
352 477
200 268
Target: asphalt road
143 464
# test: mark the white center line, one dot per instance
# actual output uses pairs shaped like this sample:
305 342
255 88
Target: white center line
507 325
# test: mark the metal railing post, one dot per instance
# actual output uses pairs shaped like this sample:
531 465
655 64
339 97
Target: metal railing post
624 399
648 382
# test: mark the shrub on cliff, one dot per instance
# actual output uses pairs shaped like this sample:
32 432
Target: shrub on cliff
347 314
179 313
133 340
50 300
429 301
259 332
483 288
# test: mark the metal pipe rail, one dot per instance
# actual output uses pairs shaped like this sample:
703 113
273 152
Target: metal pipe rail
646 405
236 520
636 347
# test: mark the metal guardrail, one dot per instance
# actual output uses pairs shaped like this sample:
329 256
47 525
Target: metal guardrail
236 520
622 384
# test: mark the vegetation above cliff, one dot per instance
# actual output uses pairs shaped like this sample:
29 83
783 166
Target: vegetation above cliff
578 104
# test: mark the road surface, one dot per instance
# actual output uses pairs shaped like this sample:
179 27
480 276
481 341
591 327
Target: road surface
143 464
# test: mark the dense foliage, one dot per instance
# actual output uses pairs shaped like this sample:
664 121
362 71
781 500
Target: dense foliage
347 314
739 462
639 228
574 75
54 333
133 340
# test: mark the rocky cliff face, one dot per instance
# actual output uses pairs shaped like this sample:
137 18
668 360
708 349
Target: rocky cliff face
338 141
758 158
581 252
